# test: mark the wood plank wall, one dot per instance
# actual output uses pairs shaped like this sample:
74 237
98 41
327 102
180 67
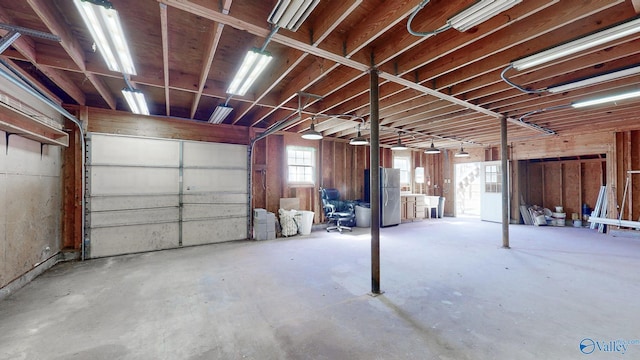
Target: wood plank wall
628 151
568 183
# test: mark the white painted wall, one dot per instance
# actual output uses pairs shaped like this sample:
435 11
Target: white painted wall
30 205
30 194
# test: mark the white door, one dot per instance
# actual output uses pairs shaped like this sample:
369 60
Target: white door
491 191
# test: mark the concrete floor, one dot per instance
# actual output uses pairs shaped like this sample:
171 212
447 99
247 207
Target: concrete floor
451 292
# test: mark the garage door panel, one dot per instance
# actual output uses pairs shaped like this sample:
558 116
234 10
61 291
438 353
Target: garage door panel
123 150
131 239
115 180
104 203
213 211
134 217
197 232
203 180
200 154
214 198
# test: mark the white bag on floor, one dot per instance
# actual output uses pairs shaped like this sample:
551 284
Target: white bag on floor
287 222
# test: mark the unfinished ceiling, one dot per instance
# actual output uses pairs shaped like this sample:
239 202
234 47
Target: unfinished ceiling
446 87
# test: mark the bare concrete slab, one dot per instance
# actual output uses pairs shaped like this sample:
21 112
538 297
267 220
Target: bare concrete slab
451 292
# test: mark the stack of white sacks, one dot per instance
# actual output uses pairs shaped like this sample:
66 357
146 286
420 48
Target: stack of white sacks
264 225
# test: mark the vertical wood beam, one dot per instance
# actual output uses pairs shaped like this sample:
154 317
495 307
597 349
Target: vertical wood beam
504 154
374 184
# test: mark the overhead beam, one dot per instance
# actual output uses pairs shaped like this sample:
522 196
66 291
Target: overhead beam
164 23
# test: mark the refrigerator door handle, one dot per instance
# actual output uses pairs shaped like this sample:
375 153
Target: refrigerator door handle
386 197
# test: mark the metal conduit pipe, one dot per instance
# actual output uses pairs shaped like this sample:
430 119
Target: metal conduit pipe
27 86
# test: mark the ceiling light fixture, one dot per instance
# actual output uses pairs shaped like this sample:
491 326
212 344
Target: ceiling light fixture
572 47
104 24
220 113
312 134
290 14
399 145
606 99
252 66
461 153
359 139
135 99
613 75
479 13
432 149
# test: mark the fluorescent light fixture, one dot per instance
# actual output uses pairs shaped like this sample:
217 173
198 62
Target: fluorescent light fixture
479 13
399 145
253 64
595 79
606 99
290 14
432 149
220 113
589 41
312 134
106 30
461 153
136 101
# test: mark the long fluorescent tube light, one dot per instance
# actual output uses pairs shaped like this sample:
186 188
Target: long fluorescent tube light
479 13
589 41
291 14
220 113
253 64
603 100
106 30
595 80
136 101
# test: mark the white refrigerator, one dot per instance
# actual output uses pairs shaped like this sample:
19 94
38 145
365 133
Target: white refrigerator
389 197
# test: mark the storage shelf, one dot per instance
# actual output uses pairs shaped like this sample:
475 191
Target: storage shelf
16 122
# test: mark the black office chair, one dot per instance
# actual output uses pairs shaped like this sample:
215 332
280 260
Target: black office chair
338 212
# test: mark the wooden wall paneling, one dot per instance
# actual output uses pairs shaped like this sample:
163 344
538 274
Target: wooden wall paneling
258 188
275 172
634 181
535 184
552 185
571 193
327 164
72 190
125 123
591 182
341 171
514 189
620 169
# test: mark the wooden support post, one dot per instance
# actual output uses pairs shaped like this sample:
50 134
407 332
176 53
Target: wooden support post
374 185
504 154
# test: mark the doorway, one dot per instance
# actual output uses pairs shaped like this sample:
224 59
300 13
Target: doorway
467 180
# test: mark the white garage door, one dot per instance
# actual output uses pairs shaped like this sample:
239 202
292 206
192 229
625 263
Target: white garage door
150 194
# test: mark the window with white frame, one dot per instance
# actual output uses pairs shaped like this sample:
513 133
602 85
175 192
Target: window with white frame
403 162
301 162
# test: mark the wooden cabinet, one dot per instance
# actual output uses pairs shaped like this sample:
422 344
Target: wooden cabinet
412 207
